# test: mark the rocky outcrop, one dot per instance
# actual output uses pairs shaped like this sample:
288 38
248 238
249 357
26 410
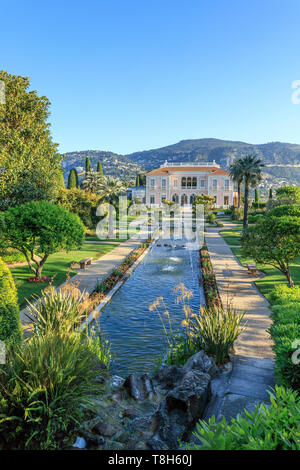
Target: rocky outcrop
144 412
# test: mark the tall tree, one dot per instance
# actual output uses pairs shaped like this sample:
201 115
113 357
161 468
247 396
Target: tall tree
236 175
274 241
270 193
73 179
30 162
137 180
87 165
256 195
99 168
250 168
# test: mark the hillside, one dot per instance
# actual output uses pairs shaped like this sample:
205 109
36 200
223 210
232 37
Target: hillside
282 159
113 164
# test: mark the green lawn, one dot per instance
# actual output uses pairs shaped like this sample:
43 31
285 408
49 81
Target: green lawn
273 277
57 264
232 236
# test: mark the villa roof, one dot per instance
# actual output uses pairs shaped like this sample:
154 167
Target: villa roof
167 170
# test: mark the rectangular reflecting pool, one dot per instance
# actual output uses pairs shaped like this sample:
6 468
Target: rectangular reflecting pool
135 334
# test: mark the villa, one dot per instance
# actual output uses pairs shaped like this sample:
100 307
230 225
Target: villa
182 182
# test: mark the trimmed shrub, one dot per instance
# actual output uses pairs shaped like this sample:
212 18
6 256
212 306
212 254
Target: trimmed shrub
82 203
267 428
259 205
285 331
10 325
253 219
290 209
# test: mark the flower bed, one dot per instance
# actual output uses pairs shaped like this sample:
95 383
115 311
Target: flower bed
104 287
41 279
209 280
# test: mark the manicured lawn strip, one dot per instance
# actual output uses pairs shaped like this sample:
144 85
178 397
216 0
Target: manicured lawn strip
232 236
273 276
57 264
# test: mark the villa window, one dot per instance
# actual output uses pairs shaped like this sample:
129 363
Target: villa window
152 199
189 182
194 182
163 183
202 183
183 182
215 184
175 183
226 200
152 184
175 198
226 185
163 198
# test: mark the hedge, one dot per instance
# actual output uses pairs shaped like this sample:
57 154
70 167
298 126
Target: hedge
291 209
10 325
285 331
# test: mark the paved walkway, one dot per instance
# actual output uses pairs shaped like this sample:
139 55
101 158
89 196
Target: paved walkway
253 366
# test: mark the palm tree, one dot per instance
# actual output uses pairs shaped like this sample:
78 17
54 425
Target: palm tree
236 175
251 171
109 189
91 182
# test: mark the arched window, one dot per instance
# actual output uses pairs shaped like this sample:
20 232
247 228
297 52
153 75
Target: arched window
175 198
189 182
183 199
194 182
192 198
183 182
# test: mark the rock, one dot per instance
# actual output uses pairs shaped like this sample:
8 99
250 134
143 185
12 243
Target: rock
80 443
190 395
168 376
131 412
93 439
203 363
148 386
117 381
134 387
106 429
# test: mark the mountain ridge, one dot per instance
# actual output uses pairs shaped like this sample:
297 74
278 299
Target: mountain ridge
224 152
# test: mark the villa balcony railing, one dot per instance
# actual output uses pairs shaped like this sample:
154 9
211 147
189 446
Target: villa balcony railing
213 163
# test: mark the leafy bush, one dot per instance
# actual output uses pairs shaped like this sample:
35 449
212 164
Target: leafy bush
284 294
211 218
237 213
290 209
10 325
212 330
82 203
285 330
253 219
61 311
216 330
273 428
44 388
259 205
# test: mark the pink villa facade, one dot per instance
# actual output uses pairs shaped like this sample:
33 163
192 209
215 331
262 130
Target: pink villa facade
182 182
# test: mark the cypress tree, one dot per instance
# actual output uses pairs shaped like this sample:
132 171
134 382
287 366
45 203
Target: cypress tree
73 179
256 195
137 180
61 181
100 169
270 193
87 165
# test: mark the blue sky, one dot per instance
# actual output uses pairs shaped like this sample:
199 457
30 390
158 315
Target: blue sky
129 75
